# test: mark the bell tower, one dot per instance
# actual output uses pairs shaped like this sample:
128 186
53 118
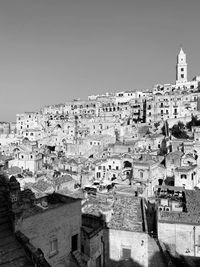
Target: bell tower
181 67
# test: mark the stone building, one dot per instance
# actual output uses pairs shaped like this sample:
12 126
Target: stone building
125 238
92 243
52 223
27 160
179 229
4 127
15 248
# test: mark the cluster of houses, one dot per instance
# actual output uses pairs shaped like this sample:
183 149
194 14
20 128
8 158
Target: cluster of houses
102 182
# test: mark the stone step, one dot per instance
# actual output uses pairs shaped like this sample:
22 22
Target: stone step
3 210
10 246
9 256
3 203
4 227
4 219
7 240
3 193
19 262
6 233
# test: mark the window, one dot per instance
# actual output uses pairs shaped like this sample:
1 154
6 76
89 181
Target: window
141 174
82 248
53 247
126 253
109 167
182 69
182 75
183 176
192 176
117 168
74 242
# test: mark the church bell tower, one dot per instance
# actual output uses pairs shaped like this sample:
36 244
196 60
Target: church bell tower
181 68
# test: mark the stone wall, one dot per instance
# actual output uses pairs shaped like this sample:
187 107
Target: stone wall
182 238
116 240
60 223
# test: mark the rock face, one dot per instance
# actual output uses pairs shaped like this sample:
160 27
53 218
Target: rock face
11 252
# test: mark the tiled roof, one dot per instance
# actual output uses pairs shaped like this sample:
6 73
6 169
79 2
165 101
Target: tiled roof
186 168
41 185
127 214
14 170
64 179
144 163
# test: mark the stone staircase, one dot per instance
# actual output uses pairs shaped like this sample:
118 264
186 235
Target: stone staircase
80 258
11 252
155 257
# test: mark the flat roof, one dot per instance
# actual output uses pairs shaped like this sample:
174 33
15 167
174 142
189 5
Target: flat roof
53 201
191 216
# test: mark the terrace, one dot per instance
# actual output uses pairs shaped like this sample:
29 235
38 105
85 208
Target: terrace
190 213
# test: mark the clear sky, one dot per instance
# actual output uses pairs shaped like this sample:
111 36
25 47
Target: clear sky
57 50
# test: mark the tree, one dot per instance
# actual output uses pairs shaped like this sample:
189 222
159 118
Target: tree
194 122
181 125
156 125
163 148
178 131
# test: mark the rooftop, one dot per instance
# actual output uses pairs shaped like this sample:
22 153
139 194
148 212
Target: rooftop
192 216
91 224
48 202
186 168
127 214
